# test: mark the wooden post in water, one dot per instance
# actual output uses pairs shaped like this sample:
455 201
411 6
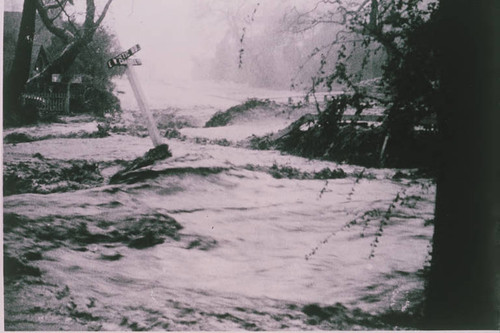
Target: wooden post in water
141 100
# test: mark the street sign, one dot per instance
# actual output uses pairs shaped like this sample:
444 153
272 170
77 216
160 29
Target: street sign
133 50
121 62
112 63
131 61
123 56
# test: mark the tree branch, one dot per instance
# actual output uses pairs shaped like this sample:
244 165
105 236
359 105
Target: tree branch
340 15
56 16
104 11
61 33
90 28
89 16
63 9
54 5
328 47
74 43
363 5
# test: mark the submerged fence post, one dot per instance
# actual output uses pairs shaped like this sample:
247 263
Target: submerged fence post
67 98
382 151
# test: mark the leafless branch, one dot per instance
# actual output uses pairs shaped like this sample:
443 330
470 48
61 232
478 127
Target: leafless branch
50 6
70 21
103 14
57 15
328 47
339 14
65 35
89 15
74 44
363 5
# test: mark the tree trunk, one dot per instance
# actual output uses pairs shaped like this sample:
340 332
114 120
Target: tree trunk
461 285
20 70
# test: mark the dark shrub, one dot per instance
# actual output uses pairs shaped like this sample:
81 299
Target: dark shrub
222 118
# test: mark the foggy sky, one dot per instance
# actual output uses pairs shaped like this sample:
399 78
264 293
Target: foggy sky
172 32
169 32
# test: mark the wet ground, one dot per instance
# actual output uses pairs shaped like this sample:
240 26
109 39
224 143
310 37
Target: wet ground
215 237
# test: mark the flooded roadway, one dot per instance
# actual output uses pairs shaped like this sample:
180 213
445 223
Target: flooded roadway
251 251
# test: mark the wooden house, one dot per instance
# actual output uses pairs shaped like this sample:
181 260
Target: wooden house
48 94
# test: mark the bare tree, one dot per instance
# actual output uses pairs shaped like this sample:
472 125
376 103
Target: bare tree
461 291
75 40
458 85
352 23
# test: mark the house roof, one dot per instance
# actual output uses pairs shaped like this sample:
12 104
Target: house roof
41 56
12 21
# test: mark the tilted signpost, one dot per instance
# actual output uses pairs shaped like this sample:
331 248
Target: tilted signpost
123 56
123 60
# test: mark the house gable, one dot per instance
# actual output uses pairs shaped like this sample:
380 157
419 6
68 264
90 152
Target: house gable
41 61
12 22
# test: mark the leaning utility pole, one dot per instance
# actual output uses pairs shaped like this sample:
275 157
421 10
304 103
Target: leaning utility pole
123 60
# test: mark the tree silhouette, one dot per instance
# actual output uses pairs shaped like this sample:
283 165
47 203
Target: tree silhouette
461 286
20 70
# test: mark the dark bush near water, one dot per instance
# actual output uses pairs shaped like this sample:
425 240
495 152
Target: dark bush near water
222 118
360 146
327 136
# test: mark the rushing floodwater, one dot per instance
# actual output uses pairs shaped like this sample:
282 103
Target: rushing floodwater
250 252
